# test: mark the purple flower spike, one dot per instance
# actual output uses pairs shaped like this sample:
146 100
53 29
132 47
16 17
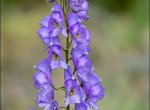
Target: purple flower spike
82 86
55 57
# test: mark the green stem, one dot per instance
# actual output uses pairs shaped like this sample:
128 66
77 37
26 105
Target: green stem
65 9
67 52
67 48
68 107
62 108
74 70
62 88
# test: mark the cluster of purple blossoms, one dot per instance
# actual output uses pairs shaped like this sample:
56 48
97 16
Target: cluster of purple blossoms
85 90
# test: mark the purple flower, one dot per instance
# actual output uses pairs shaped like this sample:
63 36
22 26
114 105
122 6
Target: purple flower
74 93
41 80
76 54
52 25
56 21
84 66
44 66
93 89
80 35
82 63
94 94
55 57
80 7
44 21
91 79
43 32
46 99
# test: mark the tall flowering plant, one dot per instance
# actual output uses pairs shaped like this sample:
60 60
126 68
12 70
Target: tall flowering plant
82 86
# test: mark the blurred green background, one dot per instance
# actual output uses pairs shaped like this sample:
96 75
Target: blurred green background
120 52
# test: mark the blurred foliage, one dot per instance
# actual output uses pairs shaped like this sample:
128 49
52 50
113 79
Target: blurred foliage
111 5
115 5
120 52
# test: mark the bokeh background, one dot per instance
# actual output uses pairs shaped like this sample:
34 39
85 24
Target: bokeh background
120 52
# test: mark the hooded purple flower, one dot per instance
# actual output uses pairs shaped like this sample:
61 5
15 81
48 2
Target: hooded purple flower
82 63
44 66
52 25
80 35
76 54
91 79
80 7
84 66
46 99
44 31
55 57
42 79
93 89
74 93
94 94
56 21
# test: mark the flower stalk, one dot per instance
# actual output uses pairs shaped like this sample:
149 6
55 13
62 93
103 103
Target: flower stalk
67 40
